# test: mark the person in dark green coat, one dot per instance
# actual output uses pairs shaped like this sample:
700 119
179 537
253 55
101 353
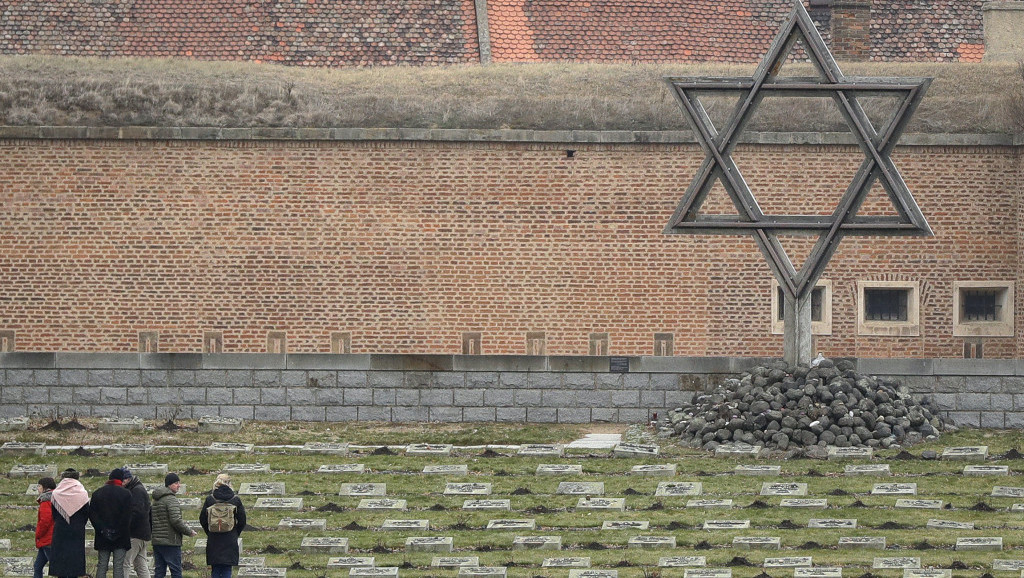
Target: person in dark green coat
168 528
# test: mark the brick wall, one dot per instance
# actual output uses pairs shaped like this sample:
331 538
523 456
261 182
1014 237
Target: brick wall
407 245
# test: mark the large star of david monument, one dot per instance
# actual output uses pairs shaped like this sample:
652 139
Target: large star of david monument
719 167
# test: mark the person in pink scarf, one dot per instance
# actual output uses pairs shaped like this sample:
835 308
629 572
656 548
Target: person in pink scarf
70 503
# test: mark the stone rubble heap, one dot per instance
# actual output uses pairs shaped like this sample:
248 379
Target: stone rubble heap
784 407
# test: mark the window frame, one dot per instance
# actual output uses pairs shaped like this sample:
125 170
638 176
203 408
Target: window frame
1004 327
909 328
823 327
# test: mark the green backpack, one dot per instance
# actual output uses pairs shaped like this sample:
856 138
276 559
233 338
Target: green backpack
220 517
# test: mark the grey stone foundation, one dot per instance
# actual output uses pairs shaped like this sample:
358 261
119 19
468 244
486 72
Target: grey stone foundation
444 388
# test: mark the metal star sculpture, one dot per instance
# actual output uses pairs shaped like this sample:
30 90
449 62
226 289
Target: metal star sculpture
876 145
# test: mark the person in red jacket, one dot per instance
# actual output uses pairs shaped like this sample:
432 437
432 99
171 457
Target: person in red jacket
44 526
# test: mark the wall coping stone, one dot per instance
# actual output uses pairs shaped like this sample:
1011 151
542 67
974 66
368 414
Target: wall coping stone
477 135
475 363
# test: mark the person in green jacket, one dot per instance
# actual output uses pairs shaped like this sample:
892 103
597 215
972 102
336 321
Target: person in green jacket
168 528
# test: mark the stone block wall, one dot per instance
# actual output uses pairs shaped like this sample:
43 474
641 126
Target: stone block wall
438 388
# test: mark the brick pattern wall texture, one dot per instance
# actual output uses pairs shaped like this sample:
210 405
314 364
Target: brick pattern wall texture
407 245
428 32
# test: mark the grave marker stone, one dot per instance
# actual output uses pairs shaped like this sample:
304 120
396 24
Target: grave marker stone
374 572
467 489
1007 492
128 449
591 573
581 488
894 489
252 561
567 562
756 542
682 561
24 448
328 448
428 450
261 572
559 470
262 489
862 543
230 448
537 543
726 524
625 525
679 489
487 505
33 489
1017 508
986 470
867 470
151 469
654 470
783 489
506 524
754 470
803 503
381 504
429 544
707 573
324 545
919 504
635 450
949 525
736 450
849 453
423 525
120 424
5 544
895 563
215 424
971 453
586 503
927 573
278 504
182 489
242 469
788 562
367 489
698 503
454 561
190 503
342 469
445 469
819 572
17 566
482 571
19 423
33 471
303 523
651 542
541 450
1008 565
988 544
832 523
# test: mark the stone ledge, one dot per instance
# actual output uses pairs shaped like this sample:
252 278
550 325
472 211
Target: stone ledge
476 135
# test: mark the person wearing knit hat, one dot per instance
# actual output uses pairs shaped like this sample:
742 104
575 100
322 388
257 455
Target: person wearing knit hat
222 539
141 531
168 528
111 516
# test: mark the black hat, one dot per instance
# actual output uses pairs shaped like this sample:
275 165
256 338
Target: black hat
116 474
126 473
69 473
171 478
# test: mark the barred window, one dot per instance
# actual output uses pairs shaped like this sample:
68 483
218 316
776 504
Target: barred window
817 299
886 304
980 305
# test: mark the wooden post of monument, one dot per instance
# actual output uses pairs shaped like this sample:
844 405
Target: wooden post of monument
797 344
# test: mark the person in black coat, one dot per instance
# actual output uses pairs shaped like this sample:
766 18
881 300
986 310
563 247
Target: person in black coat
70 503
141 531
222 547
111 516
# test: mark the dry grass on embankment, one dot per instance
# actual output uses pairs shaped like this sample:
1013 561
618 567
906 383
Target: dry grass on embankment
56 91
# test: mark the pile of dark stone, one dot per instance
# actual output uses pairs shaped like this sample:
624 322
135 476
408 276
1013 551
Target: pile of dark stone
790 408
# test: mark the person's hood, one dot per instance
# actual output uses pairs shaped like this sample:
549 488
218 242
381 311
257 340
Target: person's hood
162 492
135 481
45 496
223 493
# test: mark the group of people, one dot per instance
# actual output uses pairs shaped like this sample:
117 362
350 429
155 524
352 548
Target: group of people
124 520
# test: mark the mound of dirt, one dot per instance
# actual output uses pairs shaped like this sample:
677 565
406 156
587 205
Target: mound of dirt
521 492
81 452
352 526
330 507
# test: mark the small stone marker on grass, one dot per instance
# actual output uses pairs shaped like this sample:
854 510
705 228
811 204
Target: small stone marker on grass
788 562
726 524
895 563
33 470
33 489
927 573
755 470
128 449
667 470
454 561
635 450
559 469
261 572
832 523
443 450
894 490
213 424
429 544
652 542
537 543
342 469
987 544
182 489
252 561
682 561
468 489
986 470
819 503
698 503
541 450
446 469
189 503
350 562
242 469
757 542
313 545
849 453
679 489
482 571
422 525
261 489
625 525
735 450
862 543
505 524
1007 492
949 525
581 488
1008 565
120 424
707 573
303 523
971 453
148 469
329 448
591 573
487 505
374 572
567 562
919 504
381 504
23 448
819 572
783 489
367 489
867 470
19 423
5 544
17 566
278 504
586 503
230 448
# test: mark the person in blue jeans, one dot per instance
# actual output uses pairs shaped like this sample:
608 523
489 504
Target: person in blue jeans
44 526
223 519
168 528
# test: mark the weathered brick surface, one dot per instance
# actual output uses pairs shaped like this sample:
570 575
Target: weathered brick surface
407 245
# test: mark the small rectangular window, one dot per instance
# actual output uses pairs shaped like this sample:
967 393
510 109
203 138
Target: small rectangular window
982 304
598 344
886 304
888 308
277 342
6 341
663 344
536 343
149 342
821 308
341 342
817 300
472 343
213 342
983 309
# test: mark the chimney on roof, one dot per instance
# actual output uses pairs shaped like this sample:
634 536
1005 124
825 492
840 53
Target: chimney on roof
1003 23
851 29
